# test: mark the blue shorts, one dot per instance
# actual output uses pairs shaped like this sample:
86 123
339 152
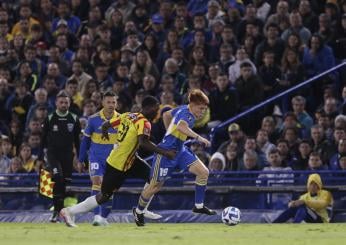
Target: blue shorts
162 167
97 167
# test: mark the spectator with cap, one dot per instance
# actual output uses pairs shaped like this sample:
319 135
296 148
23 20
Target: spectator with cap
157 28
235 134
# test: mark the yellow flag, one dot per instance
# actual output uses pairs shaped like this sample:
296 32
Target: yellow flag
46 183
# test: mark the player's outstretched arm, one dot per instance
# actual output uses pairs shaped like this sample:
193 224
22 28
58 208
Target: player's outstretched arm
146 144
184 128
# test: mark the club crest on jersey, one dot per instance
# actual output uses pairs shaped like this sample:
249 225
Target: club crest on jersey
70 127
132 116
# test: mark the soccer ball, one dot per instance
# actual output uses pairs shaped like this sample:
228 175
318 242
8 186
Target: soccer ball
231 216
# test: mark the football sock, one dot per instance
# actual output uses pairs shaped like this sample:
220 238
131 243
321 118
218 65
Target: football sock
97 210
142 203
201 185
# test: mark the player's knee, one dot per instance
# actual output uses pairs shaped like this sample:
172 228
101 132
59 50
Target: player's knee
204 173
103 197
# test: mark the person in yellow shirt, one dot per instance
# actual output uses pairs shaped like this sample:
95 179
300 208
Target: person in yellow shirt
133 130
311 207
24 13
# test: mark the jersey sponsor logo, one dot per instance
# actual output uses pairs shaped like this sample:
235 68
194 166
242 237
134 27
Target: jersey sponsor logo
55 128
70 127
132 116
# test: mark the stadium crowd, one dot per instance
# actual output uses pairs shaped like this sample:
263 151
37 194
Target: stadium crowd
238 52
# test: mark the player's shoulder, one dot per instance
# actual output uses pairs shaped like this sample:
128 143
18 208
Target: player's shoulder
95 115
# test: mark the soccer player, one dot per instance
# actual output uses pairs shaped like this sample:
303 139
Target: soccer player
179 122
133 130
99 150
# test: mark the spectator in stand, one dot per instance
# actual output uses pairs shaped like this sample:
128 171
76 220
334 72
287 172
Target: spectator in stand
272 42
318 57
226 57
234 71
270 179
231 157
89 108
309 18
281 17
217 162
301 158
235 135
270 74
283 147
25 75
19 102
298 105
223 100
315 162
250 144
296 26
310 207
263 142
16 166
53 71
250 162
319 143
213 72
250 16
40 99
171 68
292 69
26 157
6 154
64 12
334 162
4 94
144 65
72 90
268 124
79 74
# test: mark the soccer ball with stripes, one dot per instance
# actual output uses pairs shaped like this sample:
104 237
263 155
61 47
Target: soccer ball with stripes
231 216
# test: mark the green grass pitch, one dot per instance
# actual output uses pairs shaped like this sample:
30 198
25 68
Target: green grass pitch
190 234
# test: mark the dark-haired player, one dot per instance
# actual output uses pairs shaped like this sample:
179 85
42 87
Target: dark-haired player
133 130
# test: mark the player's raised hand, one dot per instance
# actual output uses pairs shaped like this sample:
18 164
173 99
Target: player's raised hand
204 141
171 154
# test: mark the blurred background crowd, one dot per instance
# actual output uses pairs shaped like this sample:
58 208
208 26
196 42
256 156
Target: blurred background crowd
239 53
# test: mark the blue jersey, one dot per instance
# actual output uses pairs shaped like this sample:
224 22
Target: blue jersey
173 138
99 148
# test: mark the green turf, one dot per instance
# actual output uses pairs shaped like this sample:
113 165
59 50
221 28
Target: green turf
190 234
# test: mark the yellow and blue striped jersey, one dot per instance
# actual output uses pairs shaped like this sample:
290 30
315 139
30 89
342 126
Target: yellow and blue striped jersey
100 148
173 138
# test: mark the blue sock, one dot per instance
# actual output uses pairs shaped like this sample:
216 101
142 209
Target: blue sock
106 208
142 203
97 210
200 193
